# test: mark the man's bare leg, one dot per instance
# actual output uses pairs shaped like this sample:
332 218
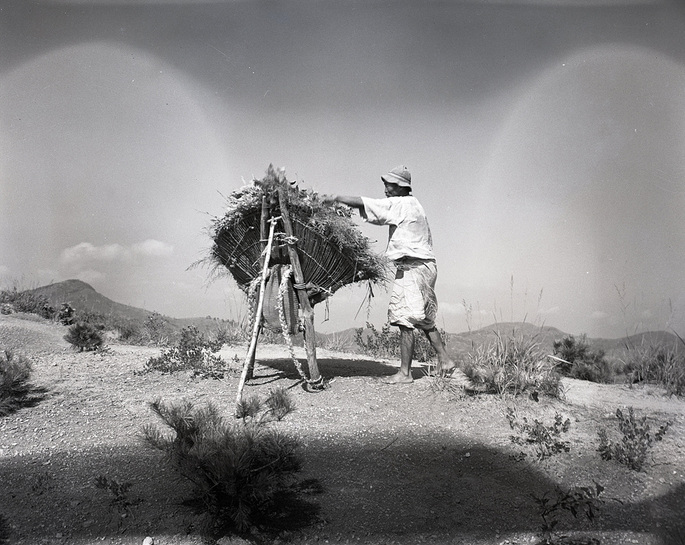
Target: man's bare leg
403 376
446 366
445 363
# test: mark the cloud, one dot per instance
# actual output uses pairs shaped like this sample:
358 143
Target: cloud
86 253
599 315
4 270
152 248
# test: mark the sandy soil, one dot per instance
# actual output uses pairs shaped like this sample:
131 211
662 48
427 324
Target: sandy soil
398 464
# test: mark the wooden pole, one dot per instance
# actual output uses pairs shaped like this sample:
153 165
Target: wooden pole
263 228
255 331
302 298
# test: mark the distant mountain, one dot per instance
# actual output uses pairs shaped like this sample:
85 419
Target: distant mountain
544 335
460 343
84 298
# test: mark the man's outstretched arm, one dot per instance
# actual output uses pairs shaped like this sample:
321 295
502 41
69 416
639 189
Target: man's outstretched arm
354 202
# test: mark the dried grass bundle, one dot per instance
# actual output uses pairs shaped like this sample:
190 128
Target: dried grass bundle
332 250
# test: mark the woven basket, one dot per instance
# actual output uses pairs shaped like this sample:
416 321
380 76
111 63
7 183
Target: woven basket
323 263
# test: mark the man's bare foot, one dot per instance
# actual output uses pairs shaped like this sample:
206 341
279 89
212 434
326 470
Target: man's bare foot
398 378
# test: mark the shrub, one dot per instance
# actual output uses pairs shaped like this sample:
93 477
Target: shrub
636 440
515 364
545 438
15 388
14 300
194 352
85 336
581 362
279 403
243 470
128 330
658 364
65 314
578 500
157 329
119 501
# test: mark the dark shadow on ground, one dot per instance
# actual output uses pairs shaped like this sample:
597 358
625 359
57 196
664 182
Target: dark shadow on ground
31 396
429 486
339 367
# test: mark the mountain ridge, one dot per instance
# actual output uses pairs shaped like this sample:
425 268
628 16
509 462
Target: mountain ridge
82 296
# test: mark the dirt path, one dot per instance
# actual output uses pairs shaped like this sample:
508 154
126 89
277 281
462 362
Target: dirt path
398 465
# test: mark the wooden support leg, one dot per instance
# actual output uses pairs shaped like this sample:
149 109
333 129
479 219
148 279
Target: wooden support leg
255 331
303 299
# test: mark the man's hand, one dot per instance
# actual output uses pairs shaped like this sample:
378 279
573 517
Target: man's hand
354 202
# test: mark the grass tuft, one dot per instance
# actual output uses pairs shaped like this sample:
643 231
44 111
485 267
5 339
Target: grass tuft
513 363
243 471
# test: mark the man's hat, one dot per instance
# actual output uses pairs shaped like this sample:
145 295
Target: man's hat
399 176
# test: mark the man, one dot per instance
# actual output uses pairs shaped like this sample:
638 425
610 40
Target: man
413 303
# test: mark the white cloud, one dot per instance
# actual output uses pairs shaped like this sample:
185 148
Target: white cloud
599 315
85 252
153 248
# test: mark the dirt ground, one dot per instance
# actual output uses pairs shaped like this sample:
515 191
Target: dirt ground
399 464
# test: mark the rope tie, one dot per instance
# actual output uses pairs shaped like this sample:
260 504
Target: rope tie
287 271
282 289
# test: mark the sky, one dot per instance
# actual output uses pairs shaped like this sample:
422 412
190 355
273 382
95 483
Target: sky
546 141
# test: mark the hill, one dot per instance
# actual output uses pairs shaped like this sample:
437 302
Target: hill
84 298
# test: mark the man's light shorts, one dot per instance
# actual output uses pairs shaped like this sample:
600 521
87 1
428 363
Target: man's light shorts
413 303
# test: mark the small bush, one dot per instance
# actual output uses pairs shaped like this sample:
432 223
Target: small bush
194 352
515 364
243 470
545 438
15 388
157 329
279 403
65 314
85 336
581 362
125 329
13 300
120 501
578 500
657 364
636 440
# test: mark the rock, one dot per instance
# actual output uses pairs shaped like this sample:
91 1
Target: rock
148 541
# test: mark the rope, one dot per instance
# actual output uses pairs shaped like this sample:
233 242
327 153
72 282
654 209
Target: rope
252 290
282 289
287 272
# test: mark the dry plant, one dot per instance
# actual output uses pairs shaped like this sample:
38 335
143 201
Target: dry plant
16 390
513 363
243 470
636 440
